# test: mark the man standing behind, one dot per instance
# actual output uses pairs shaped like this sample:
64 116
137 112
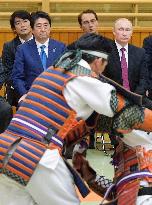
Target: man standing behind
6 112
127 65
20 24
88 21
33 57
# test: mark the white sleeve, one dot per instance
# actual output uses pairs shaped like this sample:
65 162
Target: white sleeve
86 94
138 137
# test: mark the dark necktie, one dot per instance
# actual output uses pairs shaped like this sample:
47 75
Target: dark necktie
124 69
43 56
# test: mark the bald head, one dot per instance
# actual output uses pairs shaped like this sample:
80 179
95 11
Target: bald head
122 31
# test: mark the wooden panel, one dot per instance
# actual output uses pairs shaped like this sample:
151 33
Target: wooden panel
136 39
102 33
108 35
61 11
4 37
143 35
69 35
72 37
64 37
101 1
55 35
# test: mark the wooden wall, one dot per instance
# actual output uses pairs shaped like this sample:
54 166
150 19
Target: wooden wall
69 35
64 12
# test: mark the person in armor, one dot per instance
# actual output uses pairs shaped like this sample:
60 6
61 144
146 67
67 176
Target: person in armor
132 156
132 169
59 110
53 114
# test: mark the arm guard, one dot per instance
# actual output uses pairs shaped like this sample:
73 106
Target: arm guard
117 103
127 116
133 117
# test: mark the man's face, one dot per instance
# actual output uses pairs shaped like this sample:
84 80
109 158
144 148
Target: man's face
41 30
123 31
22 27
89 24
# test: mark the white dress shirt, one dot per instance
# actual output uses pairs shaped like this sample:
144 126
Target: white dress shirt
40 44
120 52
23 41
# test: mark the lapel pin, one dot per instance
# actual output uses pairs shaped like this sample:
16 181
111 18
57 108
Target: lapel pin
54 49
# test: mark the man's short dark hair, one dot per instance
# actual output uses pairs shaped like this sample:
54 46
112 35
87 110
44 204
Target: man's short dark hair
23 14
88 11
39 14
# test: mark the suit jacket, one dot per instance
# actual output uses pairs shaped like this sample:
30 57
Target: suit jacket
137 69
147 45
8 56
3 74
28 66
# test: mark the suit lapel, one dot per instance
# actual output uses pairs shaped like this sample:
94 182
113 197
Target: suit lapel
35 54
17 41
130 62
51 52
117 64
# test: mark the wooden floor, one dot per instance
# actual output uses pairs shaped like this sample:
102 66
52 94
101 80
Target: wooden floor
91 199
101 163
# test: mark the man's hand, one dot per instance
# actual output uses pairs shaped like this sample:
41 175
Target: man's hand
51 67
22 98
124 131
77 161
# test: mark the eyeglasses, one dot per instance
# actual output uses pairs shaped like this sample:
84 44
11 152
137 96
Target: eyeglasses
92 21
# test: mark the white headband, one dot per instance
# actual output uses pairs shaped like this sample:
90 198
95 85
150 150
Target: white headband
96 53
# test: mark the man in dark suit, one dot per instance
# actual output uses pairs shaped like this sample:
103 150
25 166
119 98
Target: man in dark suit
88 22
28 62
20 24
6 112
147 45
135 59
136 74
